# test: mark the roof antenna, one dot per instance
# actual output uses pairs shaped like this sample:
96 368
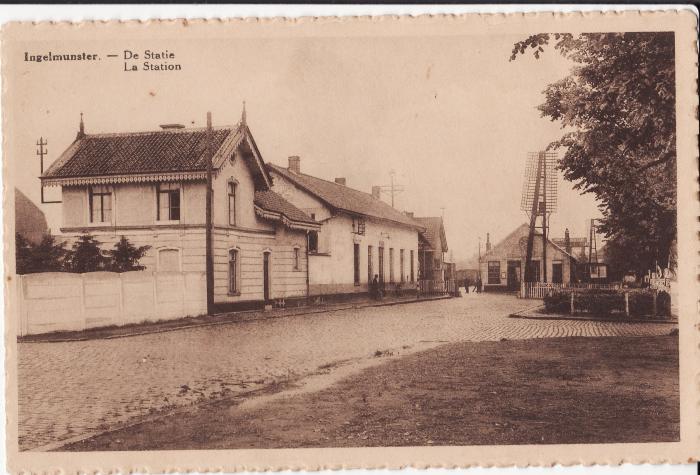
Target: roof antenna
81 130
243 115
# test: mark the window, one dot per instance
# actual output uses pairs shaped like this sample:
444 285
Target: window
169 260
437 263
391 264
494 272
401 265
232 203
370 270
233 272
296 258
168 202
381 264
313 241
100 204
356 263
412 273
358 226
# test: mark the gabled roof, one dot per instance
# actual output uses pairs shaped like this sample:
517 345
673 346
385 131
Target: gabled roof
434 233
164 154
343 198
524 230
278 208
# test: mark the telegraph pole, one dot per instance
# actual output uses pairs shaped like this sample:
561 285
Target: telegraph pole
393 189
41 152
209 224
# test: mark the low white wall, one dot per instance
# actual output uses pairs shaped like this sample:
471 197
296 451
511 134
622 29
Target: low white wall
59 301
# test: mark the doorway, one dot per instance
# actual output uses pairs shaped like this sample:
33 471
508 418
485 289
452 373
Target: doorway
557 273
266 276
513 281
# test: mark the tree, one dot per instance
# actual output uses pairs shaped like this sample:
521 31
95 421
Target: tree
125 256
617 107
47 256
86 255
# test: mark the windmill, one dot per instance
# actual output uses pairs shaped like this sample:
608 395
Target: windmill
539 200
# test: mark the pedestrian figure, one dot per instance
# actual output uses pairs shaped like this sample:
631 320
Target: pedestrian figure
376 288
478 285
466 285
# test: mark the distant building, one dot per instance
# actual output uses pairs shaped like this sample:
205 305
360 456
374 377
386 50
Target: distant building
360 236
432 249
502 266
30 221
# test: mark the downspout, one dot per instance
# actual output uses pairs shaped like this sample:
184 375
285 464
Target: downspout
209 256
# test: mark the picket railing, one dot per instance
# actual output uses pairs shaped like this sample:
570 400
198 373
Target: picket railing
539 290
436 287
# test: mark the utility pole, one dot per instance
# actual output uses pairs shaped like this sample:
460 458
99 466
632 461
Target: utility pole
41 152
544 217
209 224
393 188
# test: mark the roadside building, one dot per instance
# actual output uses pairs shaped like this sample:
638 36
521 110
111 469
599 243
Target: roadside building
151 188
502 266
360 236
432 249
30 221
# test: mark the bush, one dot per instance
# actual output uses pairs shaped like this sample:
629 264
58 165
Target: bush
557 302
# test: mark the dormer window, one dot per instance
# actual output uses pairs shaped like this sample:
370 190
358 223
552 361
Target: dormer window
100 197
168 197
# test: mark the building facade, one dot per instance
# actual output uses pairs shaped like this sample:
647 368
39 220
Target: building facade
151 188
432 249
502 266
360 236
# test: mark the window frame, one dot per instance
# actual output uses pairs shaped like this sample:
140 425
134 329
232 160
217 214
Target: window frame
169 248
402 265
170 192
370 266
231 189
91 197
391 266
413 275
356 263
234 284
313 250
296 258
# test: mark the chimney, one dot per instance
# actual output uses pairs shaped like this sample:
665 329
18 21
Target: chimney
488 242
567 241
340 181
171 126
294 164
376 192
81 130
409 214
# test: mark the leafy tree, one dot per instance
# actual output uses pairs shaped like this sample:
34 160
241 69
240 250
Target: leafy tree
125 256
86 255
47 256
617 109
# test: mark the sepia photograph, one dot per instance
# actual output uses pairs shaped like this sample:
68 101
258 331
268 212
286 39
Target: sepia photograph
312 236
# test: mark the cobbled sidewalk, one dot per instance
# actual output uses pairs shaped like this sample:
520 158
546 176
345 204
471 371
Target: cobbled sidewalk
74 388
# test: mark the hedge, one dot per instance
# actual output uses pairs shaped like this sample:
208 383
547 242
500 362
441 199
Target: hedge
605 302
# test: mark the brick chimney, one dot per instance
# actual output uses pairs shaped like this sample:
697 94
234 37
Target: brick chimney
376 192
488 242
340 181
294 164
567 241
409 214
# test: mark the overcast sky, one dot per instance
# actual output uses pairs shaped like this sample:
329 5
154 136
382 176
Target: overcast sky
451 115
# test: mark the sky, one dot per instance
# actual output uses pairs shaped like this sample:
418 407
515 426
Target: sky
449 114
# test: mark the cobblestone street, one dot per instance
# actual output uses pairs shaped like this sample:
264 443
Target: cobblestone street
74 388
